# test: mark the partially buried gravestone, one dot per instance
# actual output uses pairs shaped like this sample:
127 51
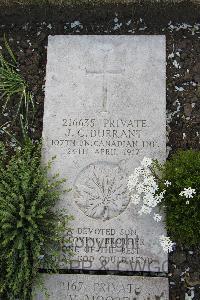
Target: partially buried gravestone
104 111
104 287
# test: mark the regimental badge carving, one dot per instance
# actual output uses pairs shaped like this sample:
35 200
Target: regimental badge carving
101 191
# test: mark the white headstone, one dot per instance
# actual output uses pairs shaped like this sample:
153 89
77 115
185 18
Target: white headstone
104 111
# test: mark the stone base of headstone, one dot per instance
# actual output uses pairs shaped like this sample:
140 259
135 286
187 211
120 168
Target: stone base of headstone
106 287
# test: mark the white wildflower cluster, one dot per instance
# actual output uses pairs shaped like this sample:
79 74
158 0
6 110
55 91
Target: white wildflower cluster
166 243
144 189
188 193
157 217
167 183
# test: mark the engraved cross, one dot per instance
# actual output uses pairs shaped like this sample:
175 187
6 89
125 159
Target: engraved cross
105 72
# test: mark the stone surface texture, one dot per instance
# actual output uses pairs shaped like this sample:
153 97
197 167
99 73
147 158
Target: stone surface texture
104 111
106 287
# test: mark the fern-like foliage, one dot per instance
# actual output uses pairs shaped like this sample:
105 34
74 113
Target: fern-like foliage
31 229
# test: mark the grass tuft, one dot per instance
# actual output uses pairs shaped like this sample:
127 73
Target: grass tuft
14 92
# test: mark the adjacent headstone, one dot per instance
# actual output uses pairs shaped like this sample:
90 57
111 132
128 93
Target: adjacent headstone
104 111
107 287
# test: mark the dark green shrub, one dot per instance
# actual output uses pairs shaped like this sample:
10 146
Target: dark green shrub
31 232
182 214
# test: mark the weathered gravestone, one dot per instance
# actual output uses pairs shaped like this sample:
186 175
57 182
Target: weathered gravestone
106 287
104 111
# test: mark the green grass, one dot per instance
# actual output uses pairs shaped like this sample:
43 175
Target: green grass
14 92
